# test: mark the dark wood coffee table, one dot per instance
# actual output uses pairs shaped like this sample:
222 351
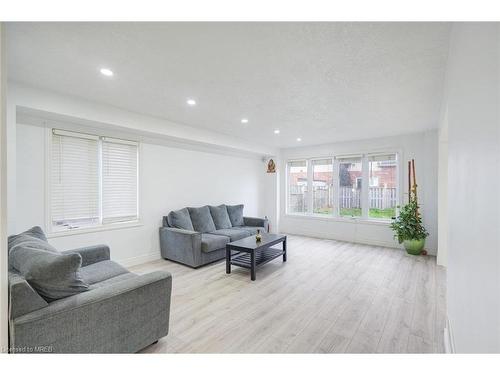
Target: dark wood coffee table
253 254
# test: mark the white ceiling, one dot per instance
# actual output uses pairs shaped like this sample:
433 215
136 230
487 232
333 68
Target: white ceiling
323 82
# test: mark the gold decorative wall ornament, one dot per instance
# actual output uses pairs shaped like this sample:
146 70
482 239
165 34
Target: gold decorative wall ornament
271 167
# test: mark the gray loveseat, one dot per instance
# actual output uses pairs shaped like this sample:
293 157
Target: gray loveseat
118 311
196 236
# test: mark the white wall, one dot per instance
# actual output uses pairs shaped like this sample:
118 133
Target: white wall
3 203
170 178
180 166
421 146
473 272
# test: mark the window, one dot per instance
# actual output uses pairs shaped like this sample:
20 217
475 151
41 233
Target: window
383 186
350 186
93 181
322 186
297 186
119 181
367 186
74 180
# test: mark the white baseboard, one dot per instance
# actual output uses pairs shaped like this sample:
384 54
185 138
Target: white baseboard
363 241
449 343
134 261
360 240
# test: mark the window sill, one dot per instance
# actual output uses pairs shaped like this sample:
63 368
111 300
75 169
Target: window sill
353 220
101 228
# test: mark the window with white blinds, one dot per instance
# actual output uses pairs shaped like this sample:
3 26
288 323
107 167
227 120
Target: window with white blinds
74 180
93 181
119 180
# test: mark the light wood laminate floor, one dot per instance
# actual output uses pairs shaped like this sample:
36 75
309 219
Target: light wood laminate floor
329 297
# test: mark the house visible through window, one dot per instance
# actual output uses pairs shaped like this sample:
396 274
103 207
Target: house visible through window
350 185
93 181
383 186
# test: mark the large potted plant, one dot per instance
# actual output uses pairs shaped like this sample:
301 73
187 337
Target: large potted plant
408 228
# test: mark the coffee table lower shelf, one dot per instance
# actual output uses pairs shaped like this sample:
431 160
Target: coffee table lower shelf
261 257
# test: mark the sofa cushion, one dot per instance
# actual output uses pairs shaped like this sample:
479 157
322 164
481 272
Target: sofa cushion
233 233
236 215
100 271
180 219
220 217
52 274
113 280
211 242
33 237
201 219
252 230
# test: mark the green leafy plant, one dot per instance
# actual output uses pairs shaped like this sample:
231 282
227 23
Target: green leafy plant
408 225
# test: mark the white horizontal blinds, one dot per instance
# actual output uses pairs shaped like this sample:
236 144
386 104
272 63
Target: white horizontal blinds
383 160
74 180
382 157
326 162
349 159
119 180
297 163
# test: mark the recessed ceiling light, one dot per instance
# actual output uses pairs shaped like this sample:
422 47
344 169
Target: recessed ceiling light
106 72
299 139
244 121
191 102
277 131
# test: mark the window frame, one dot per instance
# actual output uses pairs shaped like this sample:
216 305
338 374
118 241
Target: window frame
337 160
287 185
335 216
311 180
51 233
399 179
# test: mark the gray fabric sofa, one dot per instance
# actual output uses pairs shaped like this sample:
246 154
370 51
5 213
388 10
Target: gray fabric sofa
196 236
121 312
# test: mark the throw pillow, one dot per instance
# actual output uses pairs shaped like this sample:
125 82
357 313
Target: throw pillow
52 274
180 219
201 219
220 217
236 215
32 237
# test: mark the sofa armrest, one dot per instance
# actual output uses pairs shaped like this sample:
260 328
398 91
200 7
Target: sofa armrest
23 299
255 222
91 254
125 316
180 231
180 245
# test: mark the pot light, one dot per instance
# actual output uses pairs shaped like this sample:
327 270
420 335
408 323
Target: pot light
299 139
106 72
277 131
191 102
244 121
